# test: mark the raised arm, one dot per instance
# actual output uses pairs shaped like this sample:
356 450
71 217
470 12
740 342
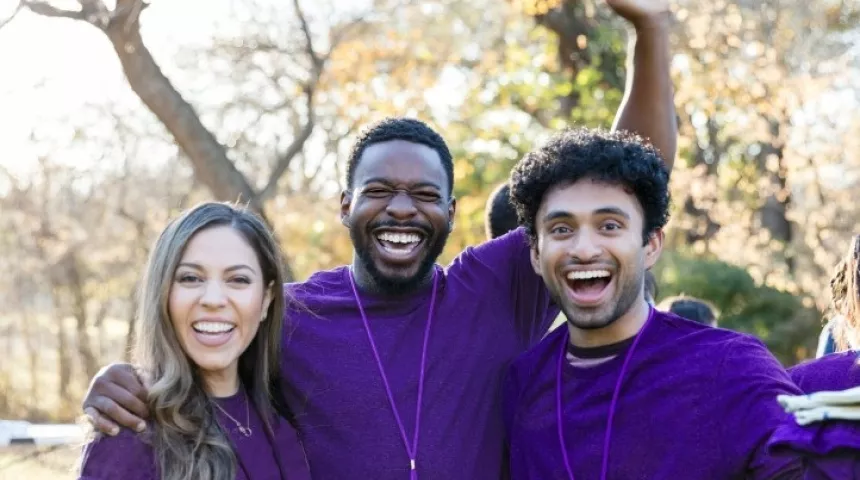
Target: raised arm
648 107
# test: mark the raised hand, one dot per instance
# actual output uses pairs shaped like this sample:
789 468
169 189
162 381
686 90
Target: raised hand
640 12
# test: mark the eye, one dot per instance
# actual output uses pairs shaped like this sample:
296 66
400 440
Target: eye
560 230
188 278
241 279
428 197
376 193
611 226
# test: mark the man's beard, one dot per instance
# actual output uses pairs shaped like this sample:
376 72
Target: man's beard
396 285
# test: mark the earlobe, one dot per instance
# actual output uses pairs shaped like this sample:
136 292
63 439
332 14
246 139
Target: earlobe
534 256
345 204
267 300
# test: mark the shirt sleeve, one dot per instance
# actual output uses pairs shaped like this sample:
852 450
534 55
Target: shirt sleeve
126 456
829 449
750 379
504 265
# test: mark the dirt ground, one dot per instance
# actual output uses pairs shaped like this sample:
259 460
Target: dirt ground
38 463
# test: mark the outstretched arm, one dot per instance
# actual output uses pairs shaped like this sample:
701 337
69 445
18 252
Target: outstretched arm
648 107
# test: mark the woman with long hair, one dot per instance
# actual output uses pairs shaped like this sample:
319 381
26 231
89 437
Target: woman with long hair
825 423
209 330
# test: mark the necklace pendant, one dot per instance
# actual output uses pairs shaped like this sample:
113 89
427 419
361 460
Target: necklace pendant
246 431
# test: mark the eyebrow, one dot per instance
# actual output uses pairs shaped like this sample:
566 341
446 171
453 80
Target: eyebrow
228 269
389 183
558 214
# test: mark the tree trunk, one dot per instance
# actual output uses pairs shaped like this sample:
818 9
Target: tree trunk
78 304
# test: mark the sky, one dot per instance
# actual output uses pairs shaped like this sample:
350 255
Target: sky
50 68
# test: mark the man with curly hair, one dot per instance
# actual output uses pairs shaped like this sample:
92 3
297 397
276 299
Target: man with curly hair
626 391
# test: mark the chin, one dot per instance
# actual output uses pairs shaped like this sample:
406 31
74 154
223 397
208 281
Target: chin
214 363
589 319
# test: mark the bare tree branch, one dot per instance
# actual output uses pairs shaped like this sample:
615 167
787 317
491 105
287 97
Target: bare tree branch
47 10
295 147
309 43
15 13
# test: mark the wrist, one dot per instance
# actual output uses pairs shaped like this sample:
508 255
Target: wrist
653 22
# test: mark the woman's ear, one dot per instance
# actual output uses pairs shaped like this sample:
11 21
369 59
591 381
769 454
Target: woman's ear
268 297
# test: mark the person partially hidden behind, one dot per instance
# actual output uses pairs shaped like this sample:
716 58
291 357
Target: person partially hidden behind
690 308
209 327
825 427
626 391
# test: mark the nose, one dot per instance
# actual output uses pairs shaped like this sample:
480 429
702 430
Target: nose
401 206
213 295
584 246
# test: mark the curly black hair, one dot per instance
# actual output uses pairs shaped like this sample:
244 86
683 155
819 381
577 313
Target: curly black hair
500 214
615 158
400 128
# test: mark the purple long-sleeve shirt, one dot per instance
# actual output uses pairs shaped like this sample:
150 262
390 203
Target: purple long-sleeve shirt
490 307
130 456
831 449
696 402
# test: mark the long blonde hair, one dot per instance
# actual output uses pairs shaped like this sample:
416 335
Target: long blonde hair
186 437
845 298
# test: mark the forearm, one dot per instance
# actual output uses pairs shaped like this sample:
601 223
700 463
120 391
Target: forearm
648 107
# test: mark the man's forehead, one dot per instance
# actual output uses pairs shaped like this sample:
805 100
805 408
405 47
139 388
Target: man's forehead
402 162
586 197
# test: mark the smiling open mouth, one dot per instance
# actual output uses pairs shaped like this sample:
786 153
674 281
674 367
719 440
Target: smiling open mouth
399 243
213 328
588 286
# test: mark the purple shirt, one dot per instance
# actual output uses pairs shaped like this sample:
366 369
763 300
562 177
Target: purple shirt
130 456
696 402
831 449
490 307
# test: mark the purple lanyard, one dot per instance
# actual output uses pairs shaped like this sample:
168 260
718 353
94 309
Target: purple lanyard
608 437
412 450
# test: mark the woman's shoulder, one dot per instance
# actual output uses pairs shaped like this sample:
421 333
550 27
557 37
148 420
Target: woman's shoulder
127 455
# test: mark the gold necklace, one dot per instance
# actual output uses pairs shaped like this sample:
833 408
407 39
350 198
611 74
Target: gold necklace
246 431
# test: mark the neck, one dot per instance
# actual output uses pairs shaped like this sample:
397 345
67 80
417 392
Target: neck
626 326
223 383
366 283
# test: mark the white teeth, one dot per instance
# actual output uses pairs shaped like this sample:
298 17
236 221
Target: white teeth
588 274
213 327
399 237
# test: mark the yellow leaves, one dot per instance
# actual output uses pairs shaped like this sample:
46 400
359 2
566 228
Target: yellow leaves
536 7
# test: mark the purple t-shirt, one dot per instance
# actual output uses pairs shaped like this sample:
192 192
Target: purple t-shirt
831 449
696 402
490 307
130 456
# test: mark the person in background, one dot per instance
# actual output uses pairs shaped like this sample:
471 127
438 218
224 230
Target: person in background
499 214
825 427
209 323
690 308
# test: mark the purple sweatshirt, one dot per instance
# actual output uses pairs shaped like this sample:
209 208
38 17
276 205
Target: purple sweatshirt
130 456
696 402
831 449
490 307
